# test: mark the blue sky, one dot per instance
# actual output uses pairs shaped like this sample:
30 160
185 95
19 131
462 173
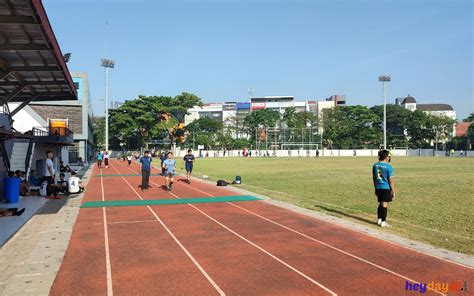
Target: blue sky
309 49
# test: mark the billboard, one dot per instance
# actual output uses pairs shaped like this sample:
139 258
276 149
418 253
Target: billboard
256 106
243 106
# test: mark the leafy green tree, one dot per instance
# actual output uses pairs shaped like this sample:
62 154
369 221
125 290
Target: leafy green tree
351 127
98 126
397 119
205 131
419 130
150 117
263 118
470 118
442 127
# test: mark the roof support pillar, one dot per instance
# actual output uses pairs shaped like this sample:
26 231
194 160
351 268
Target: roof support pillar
22 105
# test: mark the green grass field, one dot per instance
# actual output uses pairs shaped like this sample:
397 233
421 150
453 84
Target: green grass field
435 201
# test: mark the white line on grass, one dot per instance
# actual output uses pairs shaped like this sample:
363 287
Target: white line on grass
201 269
108 267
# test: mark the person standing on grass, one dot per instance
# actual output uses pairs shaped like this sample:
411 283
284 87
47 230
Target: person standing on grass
188 160
106 159
145 170
99 160
169 165
382 173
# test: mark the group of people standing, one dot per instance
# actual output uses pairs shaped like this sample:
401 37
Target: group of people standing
168 168
103 156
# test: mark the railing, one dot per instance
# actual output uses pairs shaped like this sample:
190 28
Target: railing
56 134
29 154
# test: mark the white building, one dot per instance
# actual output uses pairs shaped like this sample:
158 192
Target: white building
445 110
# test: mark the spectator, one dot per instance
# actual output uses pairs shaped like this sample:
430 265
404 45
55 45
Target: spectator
74 184
34 180
64 168
62 184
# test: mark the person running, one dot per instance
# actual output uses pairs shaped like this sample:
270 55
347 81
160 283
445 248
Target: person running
106 159
382 173
188 160
99 160
145 170
169 165
129 159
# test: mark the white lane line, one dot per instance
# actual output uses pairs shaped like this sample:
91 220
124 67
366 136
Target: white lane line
258 247
318 241
132 222
108 267
196 263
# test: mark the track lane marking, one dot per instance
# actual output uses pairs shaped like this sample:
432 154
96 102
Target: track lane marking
257 246
318 241
196 263
108 266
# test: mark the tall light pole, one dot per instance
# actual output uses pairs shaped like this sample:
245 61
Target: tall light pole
106 63
384 79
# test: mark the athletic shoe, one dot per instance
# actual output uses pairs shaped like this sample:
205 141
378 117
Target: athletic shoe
384 224
379 222
18 213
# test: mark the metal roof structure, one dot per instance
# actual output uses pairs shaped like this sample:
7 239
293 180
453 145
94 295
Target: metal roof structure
32 66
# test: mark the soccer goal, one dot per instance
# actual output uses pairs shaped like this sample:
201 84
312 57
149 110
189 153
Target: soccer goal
288 139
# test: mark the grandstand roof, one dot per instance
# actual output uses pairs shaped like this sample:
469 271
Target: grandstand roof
32 66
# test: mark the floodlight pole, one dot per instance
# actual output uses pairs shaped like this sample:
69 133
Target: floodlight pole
384 79
106 63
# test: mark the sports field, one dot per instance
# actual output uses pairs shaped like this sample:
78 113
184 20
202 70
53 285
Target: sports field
435 199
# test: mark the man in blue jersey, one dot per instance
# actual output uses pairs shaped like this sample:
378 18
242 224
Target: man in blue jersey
188 162
169 165
145 170
382 173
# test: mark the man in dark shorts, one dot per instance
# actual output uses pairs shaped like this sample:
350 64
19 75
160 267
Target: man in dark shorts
188 163
382 173
145 170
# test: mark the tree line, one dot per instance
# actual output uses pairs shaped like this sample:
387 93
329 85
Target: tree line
160 120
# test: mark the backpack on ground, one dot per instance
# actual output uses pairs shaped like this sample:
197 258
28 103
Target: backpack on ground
222 183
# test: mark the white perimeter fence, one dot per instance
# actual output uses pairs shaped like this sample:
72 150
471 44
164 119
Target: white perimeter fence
322 153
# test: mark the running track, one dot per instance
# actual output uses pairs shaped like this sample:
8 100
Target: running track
240 248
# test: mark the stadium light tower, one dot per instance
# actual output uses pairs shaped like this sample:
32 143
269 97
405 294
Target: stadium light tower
384 79
107 64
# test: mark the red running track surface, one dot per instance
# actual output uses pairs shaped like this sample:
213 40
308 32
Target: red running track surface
242 248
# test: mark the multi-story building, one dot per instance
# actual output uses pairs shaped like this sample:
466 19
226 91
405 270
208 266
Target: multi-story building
432 109
226 110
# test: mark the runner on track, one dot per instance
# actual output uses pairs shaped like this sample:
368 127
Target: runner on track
169 165
188 160
382 173
145 170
